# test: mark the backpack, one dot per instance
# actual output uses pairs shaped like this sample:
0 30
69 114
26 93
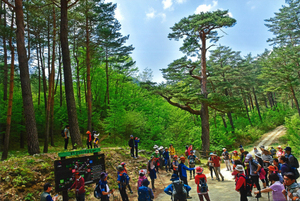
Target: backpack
273 152
248 186
192 158
144 194
124 180
97 191
296 163
63 133
203 186
179 192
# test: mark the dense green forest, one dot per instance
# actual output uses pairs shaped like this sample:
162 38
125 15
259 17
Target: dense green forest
68 63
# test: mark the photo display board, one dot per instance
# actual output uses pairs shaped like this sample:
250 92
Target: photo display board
89 167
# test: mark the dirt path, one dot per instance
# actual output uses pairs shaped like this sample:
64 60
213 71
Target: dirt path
224 191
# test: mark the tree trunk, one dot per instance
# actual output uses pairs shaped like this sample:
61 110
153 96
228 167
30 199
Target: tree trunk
71 105
30 123
224 121
44 78
266 102
269 94
5 61
107 79
295 99
88 77
256 103
246 106
10 99
39 69
60 79
251 101
229 114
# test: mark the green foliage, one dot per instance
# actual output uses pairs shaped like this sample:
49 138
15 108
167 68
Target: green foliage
293 128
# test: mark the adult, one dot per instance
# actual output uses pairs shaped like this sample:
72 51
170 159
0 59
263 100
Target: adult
254 167
240 185
284 166
242 156
67 136
89 139
151 167
191 161
277 164
216 162
186 152
175 165
211 166
276 188
156 156
292 161
166 159
262 173
190 149
78 185
131 145
182 168
125 170
170 189
267 159
280 152
201 180
292 188
136 146
45 196
226 158
105 191
123 181
172 150
144 192
255 150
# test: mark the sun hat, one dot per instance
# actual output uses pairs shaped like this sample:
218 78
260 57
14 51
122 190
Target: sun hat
160 148
174 177
224 148
155 147
175 156
211 154
166 148
239 168
258 155
248 156
199 170
273 168
279 147
142 172
262 147
120 168
88 132
103 175
156 151
235 152
123 164
182 158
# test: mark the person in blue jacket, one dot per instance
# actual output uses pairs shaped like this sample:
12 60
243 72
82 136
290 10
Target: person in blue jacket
145 193
166 159
136 142
175 179
182 168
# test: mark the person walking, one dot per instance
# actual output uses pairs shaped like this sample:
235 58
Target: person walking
216 162
254 167
89 140
175 165
123 181
144 192
292 188
172 151
142 177
211 166
67 136
151 167
78 185
166 159
105 191
177 189
241 185
45 196
192 161
226 158
131 146
201 182
136 146
125 170
182 168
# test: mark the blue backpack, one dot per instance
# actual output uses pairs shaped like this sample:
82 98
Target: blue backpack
97 191
144 194
124 180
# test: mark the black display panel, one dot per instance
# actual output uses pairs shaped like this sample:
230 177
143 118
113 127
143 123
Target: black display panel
89 167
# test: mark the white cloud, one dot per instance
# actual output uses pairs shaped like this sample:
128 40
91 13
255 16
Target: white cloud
118 14
151 13
230 14
180 1
163 16
167 3
206 7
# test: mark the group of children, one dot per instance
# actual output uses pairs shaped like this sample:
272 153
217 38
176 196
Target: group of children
92 139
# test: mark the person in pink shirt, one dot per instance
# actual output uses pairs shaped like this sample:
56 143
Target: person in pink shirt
280 152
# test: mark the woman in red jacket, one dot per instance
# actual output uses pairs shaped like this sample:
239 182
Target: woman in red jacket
240 185
201 181
79 187
89 139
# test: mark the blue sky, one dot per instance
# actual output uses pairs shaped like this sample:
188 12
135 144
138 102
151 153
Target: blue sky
148 23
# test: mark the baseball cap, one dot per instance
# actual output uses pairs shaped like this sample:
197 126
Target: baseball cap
288 149
248 156
131 135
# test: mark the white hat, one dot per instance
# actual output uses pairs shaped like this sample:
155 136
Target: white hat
248 156
96 135
143 171
224 148
155 147
239 168
278 146
161 147
156 151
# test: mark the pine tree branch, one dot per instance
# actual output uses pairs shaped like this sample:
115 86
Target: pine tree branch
9 4
72 4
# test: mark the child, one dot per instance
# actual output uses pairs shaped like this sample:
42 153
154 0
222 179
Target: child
96 140
142 177
201 181
89 139
123 181
175 164
125 170
145 193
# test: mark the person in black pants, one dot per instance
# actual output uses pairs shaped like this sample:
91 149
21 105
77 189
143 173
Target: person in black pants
241 185
254 172
131 145
67 136
136 146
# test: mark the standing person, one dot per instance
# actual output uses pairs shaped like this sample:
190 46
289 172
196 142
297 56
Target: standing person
201 182
136 146
131 146
242 156
166 159
235 157
96 140
155 154
292 188
89 139
175 165
192 160
254 172
273 151
211 166
267 159
186 151
177 189
255 150
105 191
226 158
145 193
284 166
190 149
161 158
292 161
123 181
78 185
241 185
67 136
262 172
216 162
142 177
172 151
276 188
45 196
125 170
280 152
151 167
182 168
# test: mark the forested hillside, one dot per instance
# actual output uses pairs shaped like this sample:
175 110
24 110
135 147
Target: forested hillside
67 63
